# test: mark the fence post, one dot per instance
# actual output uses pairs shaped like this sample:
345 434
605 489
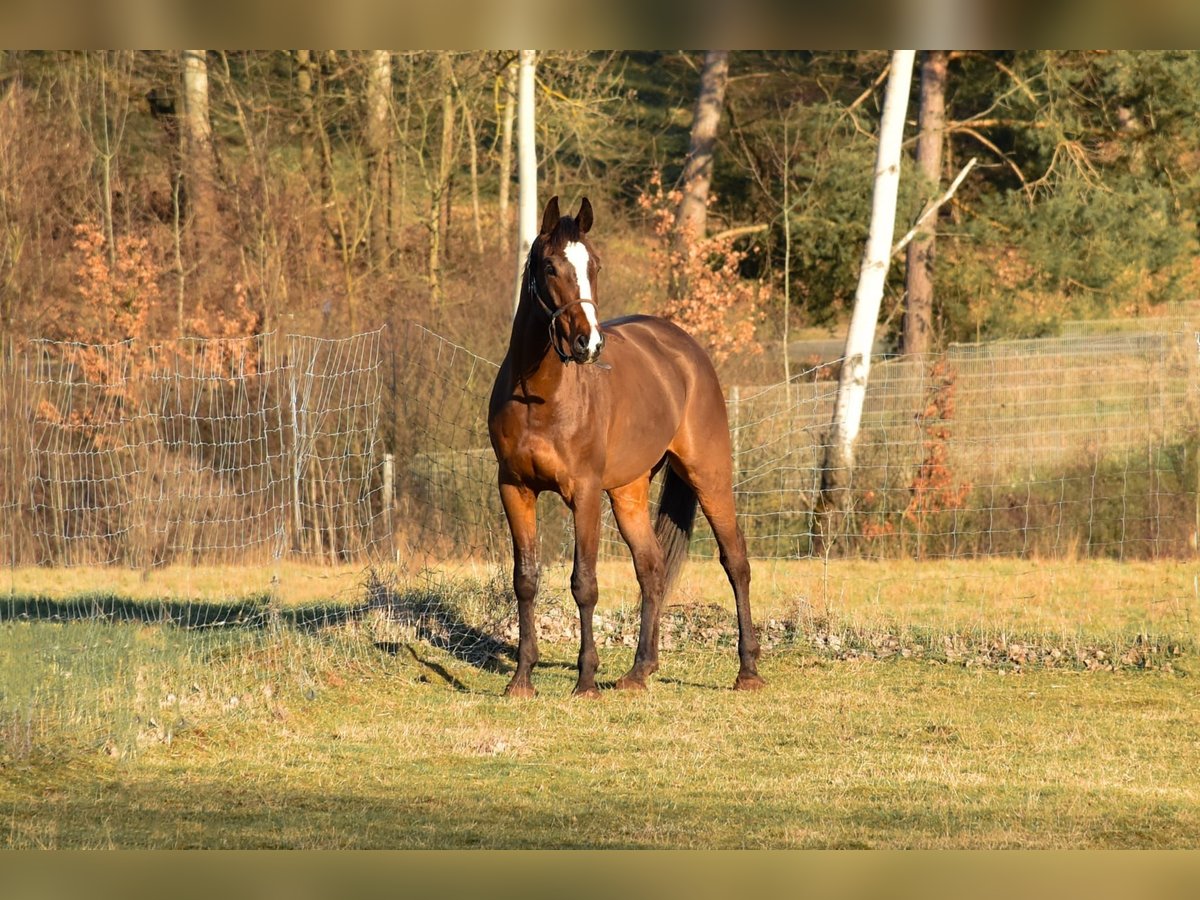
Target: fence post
297 500
389 483
1196 457
735 400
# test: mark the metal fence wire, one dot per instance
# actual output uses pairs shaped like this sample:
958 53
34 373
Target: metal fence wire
375 448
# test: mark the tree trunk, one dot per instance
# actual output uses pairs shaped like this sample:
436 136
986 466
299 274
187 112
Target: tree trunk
401 159
163 109
787 265
439 200
200 162
838 467
304 86
691 220
320 64
506 141
447 158
474 157
527 223
916 327
379 98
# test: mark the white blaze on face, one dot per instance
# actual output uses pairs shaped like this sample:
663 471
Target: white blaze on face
577 255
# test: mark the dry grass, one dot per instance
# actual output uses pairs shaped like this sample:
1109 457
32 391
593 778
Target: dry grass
139 734
834 754
1060 596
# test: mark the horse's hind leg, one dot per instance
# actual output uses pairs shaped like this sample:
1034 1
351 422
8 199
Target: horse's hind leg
714 489
631 509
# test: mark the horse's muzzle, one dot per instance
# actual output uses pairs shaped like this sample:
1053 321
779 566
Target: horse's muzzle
583 351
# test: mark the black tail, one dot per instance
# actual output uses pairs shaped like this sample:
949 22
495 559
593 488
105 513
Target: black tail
673 525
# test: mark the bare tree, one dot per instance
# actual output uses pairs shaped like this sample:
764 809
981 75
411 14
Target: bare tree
199 159
439 199
473 156
378 150
691 221
102 111
506 140
838 465
304 87
918 282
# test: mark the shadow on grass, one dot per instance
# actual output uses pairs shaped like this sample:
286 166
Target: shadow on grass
432 616
426 615
255 611
399 649
208 811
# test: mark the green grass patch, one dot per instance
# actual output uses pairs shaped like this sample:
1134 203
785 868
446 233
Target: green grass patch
385 726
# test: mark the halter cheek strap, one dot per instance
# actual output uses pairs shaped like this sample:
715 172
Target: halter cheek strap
553 314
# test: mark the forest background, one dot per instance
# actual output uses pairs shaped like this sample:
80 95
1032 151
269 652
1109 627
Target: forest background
147 195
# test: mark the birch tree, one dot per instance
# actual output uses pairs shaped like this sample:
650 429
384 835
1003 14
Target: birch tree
527 223
838 465
918 278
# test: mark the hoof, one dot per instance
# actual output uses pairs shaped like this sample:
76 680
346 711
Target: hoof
630 683
524 690
591 692
750 682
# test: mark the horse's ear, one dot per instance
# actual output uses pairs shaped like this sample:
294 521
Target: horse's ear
584 219
551 216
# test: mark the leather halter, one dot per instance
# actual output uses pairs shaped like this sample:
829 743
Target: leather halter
554 313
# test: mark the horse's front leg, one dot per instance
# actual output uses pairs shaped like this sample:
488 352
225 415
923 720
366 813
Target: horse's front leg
520 506
586 507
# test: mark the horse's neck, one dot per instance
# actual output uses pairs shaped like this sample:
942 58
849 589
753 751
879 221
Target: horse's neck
529 347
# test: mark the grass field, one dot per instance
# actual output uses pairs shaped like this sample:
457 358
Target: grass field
985 704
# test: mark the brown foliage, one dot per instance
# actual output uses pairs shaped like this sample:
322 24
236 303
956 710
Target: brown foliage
934 488
720 308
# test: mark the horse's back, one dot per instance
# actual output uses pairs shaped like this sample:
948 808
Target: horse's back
665 349
666 382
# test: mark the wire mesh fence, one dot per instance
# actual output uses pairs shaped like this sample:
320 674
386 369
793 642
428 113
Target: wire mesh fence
193 451
1065 447
291 503
374 449
1052 447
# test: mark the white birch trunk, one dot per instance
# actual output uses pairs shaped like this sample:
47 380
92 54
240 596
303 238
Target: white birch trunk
506 142
856 366
527 218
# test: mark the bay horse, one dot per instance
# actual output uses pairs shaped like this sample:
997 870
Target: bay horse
562 420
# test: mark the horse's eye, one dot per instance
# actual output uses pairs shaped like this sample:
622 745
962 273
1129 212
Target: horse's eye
549 268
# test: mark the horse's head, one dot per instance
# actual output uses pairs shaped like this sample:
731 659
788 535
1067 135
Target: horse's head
563 269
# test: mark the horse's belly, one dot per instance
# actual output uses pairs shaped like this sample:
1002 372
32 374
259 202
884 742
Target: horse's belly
637 449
